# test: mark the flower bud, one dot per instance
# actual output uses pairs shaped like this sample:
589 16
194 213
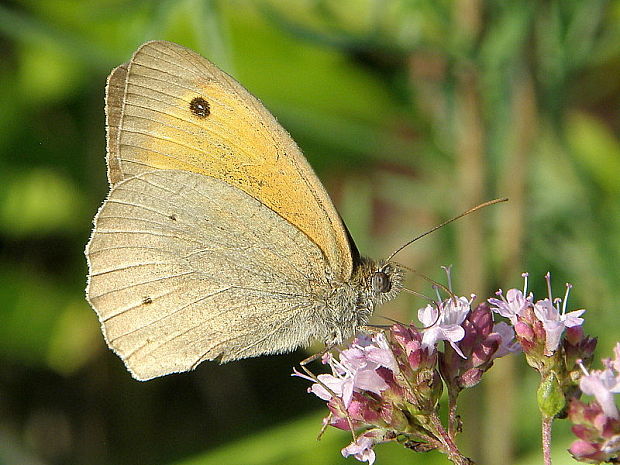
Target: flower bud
598 435
574 335
525 332
550 396
471 377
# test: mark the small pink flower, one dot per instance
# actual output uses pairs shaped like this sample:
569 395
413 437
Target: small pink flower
355 371
602 384
546 319
555 321
381 353
507 335
443 323
511 306
362 447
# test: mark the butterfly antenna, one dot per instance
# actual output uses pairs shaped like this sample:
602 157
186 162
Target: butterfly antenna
392 320
371 327
384 327
417 294
436 285
430 280
465 213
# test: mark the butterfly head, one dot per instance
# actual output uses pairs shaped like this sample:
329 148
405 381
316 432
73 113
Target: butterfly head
350 305
377 283
384 282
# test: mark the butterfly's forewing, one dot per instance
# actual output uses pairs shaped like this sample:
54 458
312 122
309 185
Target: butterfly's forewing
185 268
237 141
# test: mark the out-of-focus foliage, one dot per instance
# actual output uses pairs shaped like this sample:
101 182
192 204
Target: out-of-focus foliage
409 110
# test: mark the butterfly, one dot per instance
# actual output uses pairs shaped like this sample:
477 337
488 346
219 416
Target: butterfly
217 241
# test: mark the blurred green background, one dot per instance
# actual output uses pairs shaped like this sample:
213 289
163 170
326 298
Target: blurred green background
410 111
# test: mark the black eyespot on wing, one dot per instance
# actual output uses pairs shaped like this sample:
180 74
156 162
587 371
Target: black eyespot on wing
147 300
200 107
173 217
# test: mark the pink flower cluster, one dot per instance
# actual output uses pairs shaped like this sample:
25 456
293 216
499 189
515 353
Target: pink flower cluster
359 393
388 385
542 322
483 341
552 340
597 424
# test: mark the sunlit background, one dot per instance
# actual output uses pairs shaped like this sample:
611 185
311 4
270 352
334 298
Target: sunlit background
410 111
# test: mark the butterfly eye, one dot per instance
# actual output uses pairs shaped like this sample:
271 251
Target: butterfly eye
381 282
200 107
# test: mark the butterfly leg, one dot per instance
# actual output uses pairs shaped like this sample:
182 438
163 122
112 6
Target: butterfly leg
318 355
